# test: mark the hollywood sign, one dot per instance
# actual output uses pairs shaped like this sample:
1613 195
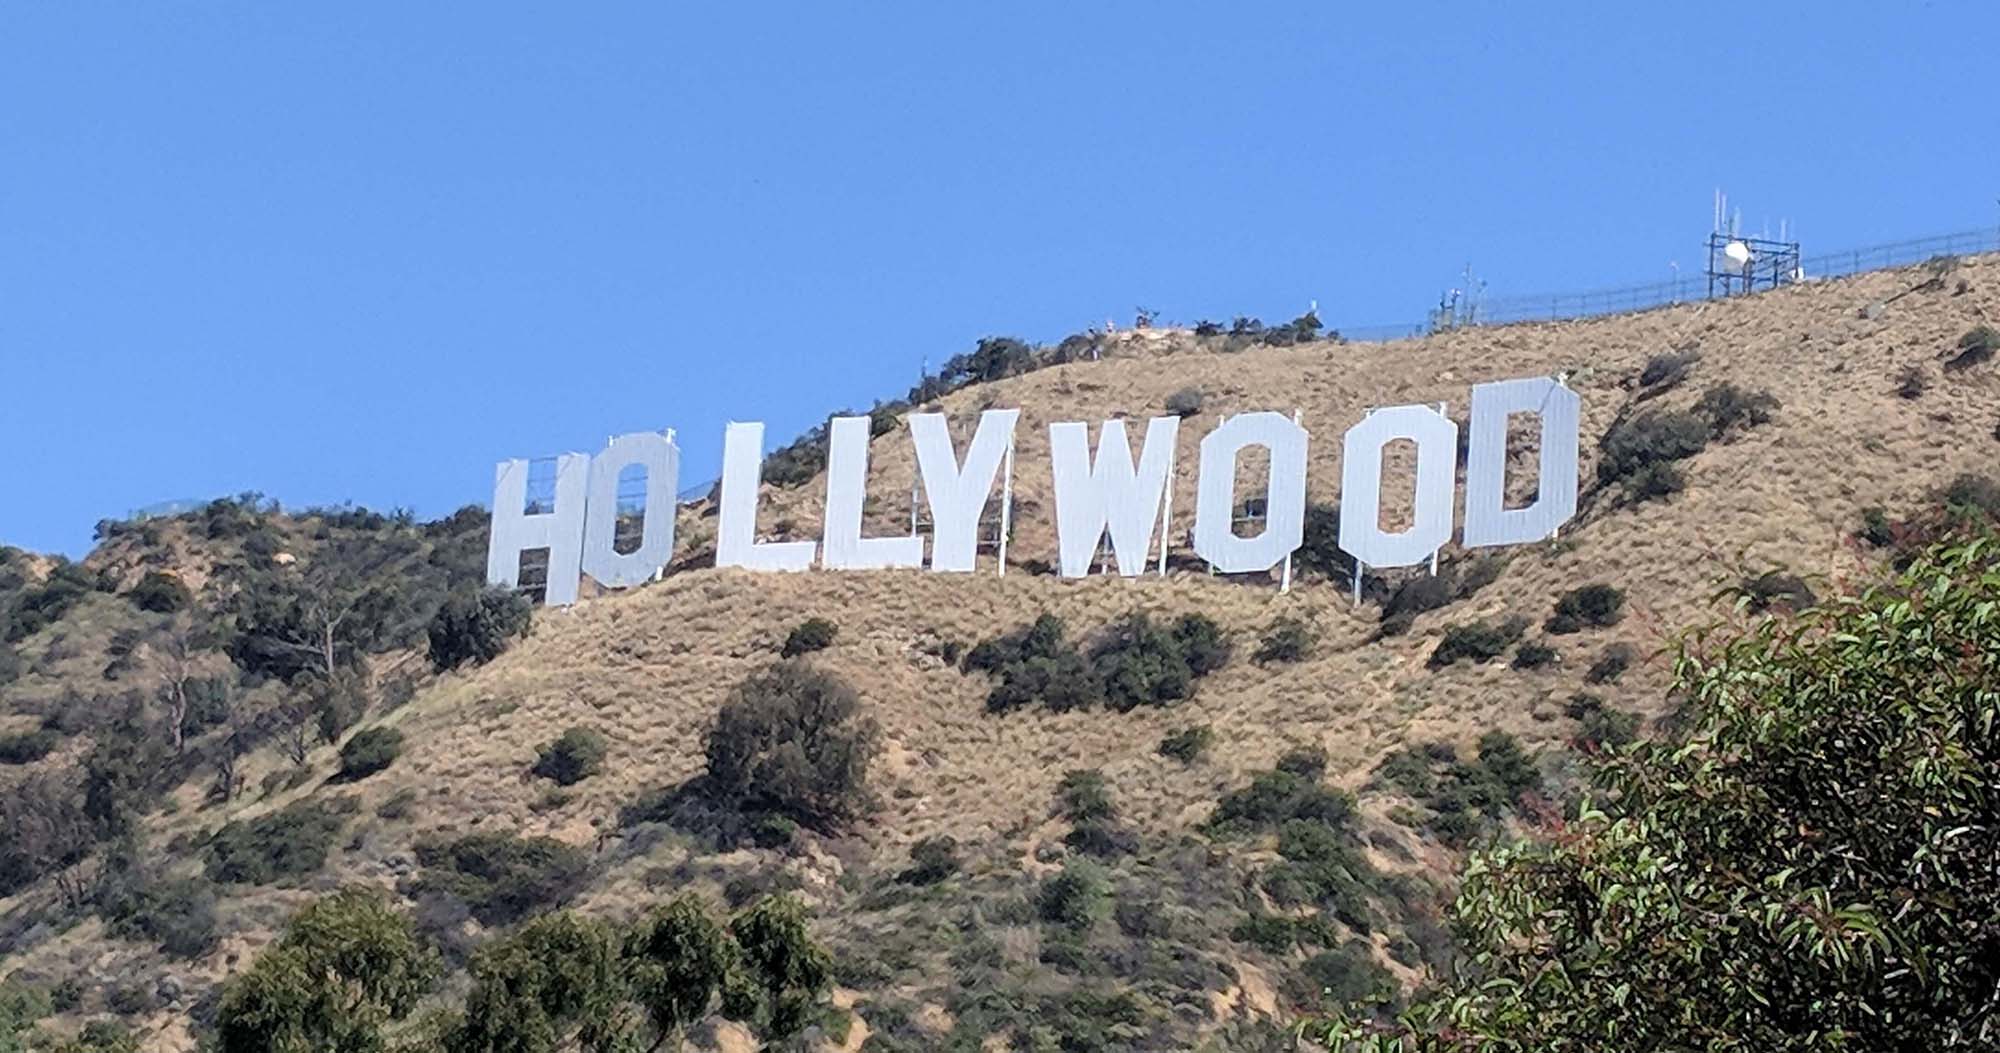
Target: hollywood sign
1108 493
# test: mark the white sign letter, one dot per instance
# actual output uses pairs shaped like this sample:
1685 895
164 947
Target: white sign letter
841 545
560 530
1215 538
1108 492
661 459
1361 533
736 542
957 494
1488 521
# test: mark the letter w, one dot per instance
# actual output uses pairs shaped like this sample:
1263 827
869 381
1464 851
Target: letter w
1109 493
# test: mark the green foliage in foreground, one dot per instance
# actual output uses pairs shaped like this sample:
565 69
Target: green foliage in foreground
1809 865
350 968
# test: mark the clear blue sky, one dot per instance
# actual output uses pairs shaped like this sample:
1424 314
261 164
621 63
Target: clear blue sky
365 250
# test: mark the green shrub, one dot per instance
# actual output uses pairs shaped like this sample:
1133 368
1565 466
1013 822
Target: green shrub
1306 762
1036 664
1141 662
1188 744
1610 665
27 747
1288 640
1600 725
1912 382
1731 409
1408 771
1591 606
573 757
1271 933
1348 974
932 860
813 634
1876 529
290 843
1184 403
502 878
1076 897
1775 588
1656 437
1414 596
1972 499
1534 654
1082 795
176 914
1655 482
1275 797
1974 347
161 593
477 626
791 740
774 831
1478 641
369 751
1669 368
1319 553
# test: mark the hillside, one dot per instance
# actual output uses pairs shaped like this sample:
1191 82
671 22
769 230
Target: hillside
1176 958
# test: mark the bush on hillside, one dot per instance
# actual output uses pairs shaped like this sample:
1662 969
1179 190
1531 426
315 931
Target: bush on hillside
1142 662
1975 347
932 860
290 843
791 740
1288 640
1668 368
1912 382
27 747
1775 588
1478 641
1534 654
1075 898
1591 606
573 757
137 903
1319 554
503 878
1188 744
477 626
1598 724
813 634
161 593
1647 443
1610 665
1184 403
1036 665
370 750
1731 409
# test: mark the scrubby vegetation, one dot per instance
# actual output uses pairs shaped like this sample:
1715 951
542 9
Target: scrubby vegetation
476 626
574 756
1596 606
502 878
791 741
369 751
1188 744
813 634
287 844
1134 662
1477 641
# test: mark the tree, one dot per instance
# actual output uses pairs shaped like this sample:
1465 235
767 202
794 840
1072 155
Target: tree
476 626
179 659
787 970
317 625
347 966
555 985
678 961
47 832
1808 865
791 740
